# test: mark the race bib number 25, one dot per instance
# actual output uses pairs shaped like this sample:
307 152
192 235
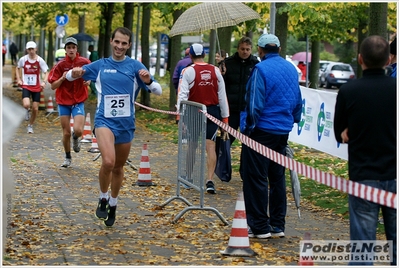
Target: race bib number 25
116 106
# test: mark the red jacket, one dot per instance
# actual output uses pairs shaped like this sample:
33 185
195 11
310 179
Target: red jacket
69 93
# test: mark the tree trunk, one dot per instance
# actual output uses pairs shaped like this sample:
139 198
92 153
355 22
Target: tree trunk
361 35
378 19
281 29
224 36
128 21
145 45
50 54
313 71
108 28
212 47
82 45
174 56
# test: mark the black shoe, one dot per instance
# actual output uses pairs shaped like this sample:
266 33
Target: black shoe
210 187
102 209
111 216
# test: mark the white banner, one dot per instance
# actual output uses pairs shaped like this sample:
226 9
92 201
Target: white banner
316 129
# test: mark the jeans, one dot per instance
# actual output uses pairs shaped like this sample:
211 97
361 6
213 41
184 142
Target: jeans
363 217
258 173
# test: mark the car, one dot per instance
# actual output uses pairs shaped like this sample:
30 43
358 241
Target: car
322 66
336 74
153 60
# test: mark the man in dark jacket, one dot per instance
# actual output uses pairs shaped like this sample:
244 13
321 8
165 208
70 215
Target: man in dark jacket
237 70
13 51
365 118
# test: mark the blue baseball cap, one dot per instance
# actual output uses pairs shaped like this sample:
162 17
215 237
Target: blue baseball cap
268 39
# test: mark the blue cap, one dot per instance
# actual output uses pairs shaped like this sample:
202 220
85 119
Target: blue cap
197 50
268 39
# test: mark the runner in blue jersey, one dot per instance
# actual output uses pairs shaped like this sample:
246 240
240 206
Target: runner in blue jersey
118 80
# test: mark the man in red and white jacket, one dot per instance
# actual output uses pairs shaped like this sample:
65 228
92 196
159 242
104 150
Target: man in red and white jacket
70 97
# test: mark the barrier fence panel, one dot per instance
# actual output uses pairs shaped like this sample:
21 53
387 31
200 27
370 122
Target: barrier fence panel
192 156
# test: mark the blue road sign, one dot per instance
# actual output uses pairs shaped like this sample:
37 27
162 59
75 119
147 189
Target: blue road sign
164 39
61 20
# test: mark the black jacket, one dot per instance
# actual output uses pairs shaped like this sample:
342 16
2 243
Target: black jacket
235 79
13 48
367 107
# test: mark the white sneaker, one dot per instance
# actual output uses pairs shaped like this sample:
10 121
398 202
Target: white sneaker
30 129
67 162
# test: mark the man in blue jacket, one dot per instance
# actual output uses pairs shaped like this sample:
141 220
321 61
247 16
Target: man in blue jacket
274 104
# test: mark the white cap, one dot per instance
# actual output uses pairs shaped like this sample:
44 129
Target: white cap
30 44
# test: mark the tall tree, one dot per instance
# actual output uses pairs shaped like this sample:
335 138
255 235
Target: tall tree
281 29
128 21
378 19
174 55
145 44
104 47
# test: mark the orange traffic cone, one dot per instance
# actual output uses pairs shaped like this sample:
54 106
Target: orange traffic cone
144 171
94 146
306 258
87 134
50 105
42 105
71 123
239 240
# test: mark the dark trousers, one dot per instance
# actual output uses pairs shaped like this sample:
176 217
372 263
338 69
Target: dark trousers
234 122
4 59
258 174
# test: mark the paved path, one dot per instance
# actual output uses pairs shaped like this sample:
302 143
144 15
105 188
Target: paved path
52 218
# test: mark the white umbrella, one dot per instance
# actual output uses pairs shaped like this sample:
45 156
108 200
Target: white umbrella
212 15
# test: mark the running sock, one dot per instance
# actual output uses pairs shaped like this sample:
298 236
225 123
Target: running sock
104 195
68 155
113 201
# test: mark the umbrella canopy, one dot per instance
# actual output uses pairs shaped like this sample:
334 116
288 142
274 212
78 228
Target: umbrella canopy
301 56
83 37
295 185
212 15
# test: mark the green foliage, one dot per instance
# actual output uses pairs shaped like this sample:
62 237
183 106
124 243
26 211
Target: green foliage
324 55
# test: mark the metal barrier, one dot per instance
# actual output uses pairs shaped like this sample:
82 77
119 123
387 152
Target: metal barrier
191 156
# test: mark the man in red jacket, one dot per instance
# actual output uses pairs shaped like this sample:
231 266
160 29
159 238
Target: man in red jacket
70 97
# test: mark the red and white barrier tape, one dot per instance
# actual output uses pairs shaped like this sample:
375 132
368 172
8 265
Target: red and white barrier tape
369 193
155 110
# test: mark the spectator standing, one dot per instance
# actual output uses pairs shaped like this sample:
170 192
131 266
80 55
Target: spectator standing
60 53
371 147
203 83
238 67
273 106
4 50
29 68
181 64
70 97
392 48
14 52
302 67
120 79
